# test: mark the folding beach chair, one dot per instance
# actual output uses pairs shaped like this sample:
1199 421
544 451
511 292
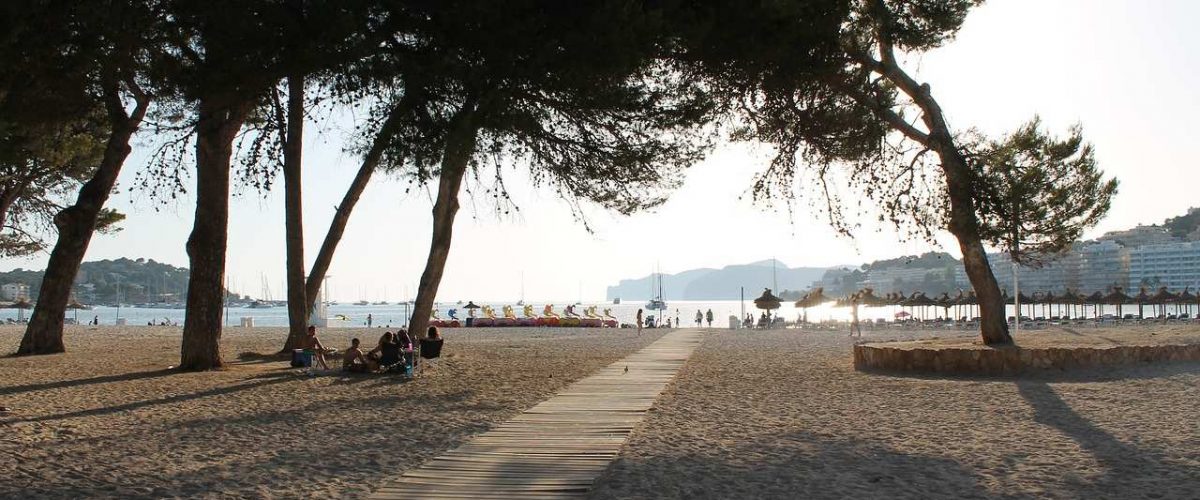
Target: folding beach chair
431 351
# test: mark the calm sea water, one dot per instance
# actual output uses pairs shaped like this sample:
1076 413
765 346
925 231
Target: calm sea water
344 315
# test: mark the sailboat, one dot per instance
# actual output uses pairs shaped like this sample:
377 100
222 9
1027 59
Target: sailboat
657 303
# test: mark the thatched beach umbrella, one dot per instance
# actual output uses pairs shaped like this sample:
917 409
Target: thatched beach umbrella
867 297
1020 300
1095 300
1117 298
1071 299
813 298
769 302
1187 300
76 306
945 302
919 299
1164 297
1048 301
968 300
21 305
1141 299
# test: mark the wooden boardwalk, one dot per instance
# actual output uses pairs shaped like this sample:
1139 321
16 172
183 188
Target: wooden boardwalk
559 447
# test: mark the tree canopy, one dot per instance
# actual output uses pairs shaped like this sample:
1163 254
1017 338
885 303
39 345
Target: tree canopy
1037 194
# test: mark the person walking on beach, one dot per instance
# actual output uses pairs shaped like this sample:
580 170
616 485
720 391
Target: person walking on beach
370 320
699 318
639 321
709 318
854 326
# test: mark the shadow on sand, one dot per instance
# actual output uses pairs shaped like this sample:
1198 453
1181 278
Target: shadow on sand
103 379
792 465
1127 468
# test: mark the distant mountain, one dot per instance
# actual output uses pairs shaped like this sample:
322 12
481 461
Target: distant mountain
719 284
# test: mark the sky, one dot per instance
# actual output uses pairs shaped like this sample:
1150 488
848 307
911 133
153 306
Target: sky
1125 70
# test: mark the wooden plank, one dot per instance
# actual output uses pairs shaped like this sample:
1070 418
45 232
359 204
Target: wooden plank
557 448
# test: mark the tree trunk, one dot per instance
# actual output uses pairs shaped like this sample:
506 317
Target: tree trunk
76 224
220 118
342 217
459 148
964 224
298 304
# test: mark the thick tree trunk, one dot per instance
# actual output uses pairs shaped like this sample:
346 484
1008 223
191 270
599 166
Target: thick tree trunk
298 304
964 224
459 149
220 118
342 217
76 225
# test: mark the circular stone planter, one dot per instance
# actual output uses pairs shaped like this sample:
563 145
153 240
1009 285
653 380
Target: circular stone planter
918 357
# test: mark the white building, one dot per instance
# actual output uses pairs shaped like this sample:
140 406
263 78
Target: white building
1173 265
14 291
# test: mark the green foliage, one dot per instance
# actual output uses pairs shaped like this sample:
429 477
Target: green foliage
41 166
1036 194
137 280
1184 225
64 62
568 91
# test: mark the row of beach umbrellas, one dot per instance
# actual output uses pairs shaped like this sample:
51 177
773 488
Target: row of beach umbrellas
1069 301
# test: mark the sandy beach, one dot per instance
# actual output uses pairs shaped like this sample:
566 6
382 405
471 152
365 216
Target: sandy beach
107 419
752 414
781 415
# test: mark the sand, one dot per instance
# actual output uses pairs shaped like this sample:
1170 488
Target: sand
1052 336
784 415
107 419
752 414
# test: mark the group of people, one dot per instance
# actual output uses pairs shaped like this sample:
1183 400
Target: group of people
392 350
701 317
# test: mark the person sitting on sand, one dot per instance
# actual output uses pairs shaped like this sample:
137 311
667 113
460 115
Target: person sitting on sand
313 346
387 353
354 361
406 345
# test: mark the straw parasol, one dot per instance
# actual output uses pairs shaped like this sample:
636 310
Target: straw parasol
768 301
1094 300
867 297
968 299
1047 300
76 306
1117 298
945 302
1142 298
1020 300
21 305
813 298
1187 299
919 299
1164 297
1071 299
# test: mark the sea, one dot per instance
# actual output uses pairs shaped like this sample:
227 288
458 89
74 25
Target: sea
394 315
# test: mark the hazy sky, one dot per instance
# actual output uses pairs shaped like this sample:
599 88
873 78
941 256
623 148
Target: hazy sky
1124 69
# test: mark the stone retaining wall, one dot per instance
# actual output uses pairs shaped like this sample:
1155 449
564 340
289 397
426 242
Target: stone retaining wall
1011 360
